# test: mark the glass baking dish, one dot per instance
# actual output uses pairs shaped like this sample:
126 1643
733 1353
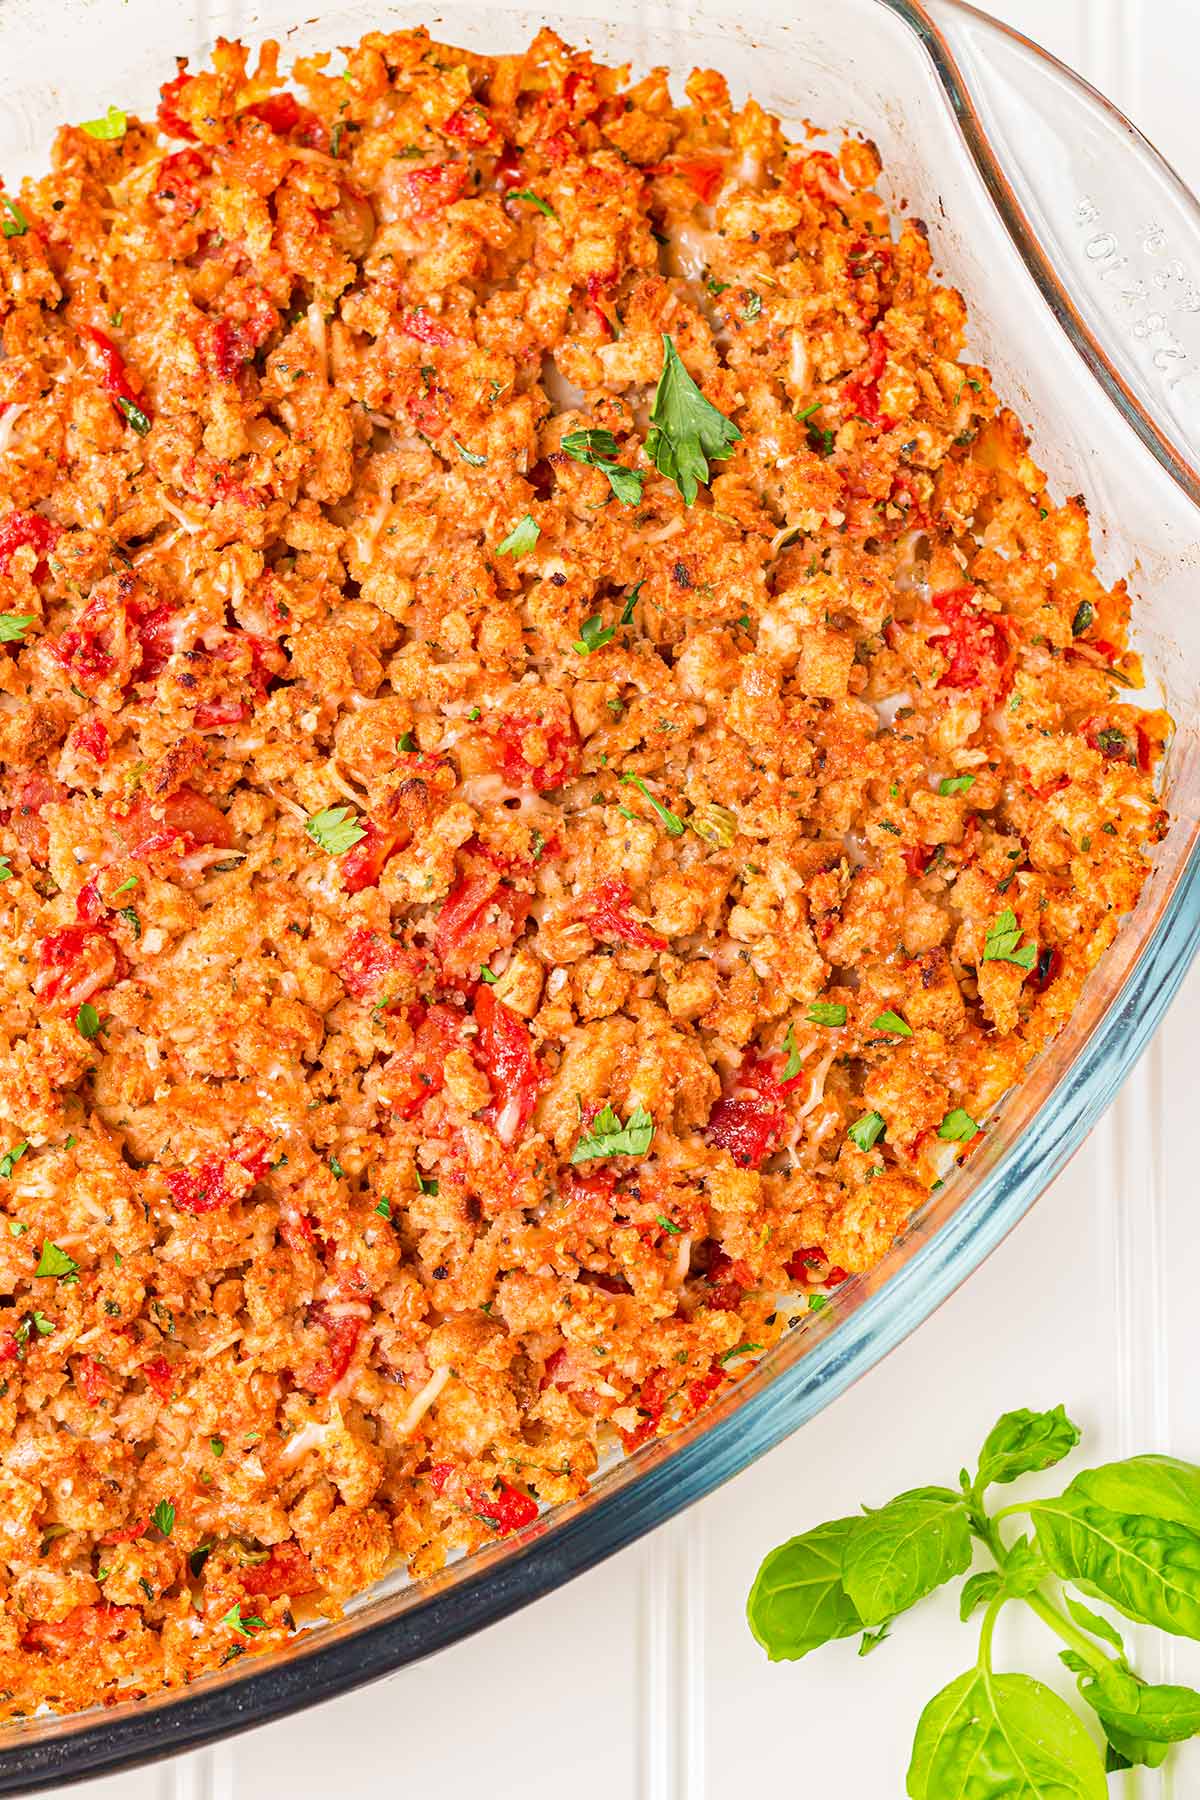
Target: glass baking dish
1078 251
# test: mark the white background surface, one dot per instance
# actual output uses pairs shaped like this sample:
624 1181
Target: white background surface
640 1681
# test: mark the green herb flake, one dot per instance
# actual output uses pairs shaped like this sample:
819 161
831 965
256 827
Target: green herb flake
892 1022
233 1618
163 1517
598 449
687 433
217 1446
336 1167
137 418
335 830
521 539
672 823
56 1264
108 129
1085 616
471 457
738 1350
795 1062
958 1127
543 206
752 307
955 784
631 602
425 1184
10 1159
606 1136
593 635
6 873
669 1225
867 1131
87 1021
16 224
13 626
1003 937
125 886
826 1012
384 1209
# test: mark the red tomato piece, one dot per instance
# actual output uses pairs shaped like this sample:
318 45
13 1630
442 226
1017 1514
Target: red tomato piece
862 392
169 116
426 327
74 963
506 1510
507 170
748 1127
91 1378
286 1571
114 372
186 815
217 1181
83 1628
805 1264
282 112
977 646
480 915
471 124
367 961
177 184
439 1475
342 1332
10 1350
559 764
362 865
159 1374
504 1050
606 910
91 736
415 1074
704 174
19 529
26 822
434 187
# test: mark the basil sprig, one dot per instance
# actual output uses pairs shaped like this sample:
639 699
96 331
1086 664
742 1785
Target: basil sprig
1127 1533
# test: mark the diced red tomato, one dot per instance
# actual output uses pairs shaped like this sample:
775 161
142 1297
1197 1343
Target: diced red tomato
368 960
507 170
480 915
1145 750
342 1332
169 116
434 187
186 815
127 1534
426 327
160 1375
439 1475
217 1181
861 393
177 184
559 764
651 1403
219 715
726 1279
235 336
504 1051
1055 786
91 1378
74 963
415 1074
705 174
916 859
606 909
472 125
18 529
114 372
362 865
701 1391
82 1629
282 112
10 1350
286 1571
25 821
506 1510
806 1264
819 174
91 736
748 1128
868 256
977 646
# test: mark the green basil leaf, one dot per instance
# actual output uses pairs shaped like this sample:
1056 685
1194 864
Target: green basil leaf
1159 1715
1025 1569
1021 1442
798 1601
1122 1752
1162 1486
1147 1567
687 433
977 1590
896 1555
1003 1737
1090 1621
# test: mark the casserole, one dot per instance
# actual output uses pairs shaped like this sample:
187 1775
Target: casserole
969 1223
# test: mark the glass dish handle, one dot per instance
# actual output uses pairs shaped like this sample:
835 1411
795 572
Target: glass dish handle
1118 232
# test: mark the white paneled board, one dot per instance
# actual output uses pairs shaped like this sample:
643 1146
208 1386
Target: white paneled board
640 1681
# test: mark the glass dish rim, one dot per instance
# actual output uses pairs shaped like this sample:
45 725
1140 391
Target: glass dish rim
648 1490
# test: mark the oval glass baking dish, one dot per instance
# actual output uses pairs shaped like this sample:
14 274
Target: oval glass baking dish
1078 253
